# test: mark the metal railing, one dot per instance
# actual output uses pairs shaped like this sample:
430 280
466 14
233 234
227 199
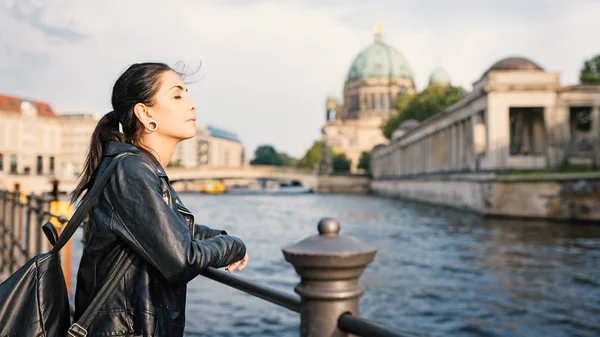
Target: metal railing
21 220
329 266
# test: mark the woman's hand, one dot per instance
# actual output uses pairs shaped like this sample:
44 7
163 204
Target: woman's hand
241 264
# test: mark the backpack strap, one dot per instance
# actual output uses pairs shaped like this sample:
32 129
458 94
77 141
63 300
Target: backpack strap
116 273
86 204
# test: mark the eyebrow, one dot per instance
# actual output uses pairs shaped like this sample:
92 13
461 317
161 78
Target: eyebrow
179 87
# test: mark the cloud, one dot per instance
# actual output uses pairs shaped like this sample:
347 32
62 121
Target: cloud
268 65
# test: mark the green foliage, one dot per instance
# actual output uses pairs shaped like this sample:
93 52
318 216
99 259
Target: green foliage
287 160
312 157
422 106
590 73
365 161
266 155
341 163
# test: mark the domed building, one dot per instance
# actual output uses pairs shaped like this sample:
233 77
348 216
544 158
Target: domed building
439 77
378 74
518 116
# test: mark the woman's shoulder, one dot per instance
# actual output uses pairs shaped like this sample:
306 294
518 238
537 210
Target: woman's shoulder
135 164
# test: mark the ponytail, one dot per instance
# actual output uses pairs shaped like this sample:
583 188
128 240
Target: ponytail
106 130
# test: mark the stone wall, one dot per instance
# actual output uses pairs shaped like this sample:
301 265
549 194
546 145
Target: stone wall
569 198
353 184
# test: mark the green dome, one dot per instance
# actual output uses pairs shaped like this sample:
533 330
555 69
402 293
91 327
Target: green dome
439 76
379 60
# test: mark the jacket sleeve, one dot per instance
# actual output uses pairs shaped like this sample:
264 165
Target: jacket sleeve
202 232
154 231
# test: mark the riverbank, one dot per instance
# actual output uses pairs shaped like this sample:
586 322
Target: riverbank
552 196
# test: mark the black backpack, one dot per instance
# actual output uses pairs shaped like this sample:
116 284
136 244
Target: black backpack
34 300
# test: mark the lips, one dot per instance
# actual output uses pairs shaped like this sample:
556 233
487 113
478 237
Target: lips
193 119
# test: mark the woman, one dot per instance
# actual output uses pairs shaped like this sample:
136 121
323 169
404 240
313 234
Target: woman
140 210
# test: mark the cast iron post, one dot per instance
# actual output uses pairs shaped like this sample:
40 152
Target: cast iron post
329 266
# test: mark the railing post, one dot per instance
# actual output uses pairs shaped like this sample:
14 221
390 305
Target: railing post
30 228
329 266
13 229
3 225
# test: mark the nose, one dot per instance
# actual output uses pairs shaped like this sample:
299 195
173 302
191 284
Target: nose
193 109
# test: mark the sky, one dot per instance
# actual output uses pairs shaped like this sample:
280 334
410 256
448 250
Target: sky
263 69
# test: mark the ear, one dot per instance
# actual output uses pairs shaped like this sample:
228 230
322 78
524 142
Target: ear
142 112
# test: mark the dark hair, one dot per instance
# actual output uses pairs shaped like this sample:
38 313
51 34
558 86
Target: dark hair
138 84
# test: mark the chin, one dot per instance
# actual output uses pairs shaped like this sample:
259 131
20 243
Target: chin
187 135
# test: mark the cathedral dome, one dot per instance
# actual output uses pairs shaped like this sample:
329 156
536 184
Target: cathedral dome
440 77
379 60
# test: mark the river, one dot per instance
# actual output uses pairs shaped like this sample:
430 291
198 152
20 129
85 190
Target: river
437 272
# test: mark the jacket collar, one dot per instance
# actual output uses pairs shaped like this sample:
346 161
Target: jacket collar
114 148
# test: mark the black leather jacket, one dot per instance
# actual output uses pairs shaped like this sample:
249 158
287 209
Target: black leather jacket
139 209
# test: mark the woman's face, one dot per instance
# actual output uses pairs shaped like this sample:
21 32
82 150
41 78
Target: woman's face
173 109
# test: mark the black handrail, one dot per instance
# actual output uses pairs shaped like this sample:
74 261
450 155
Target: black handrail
275 296
366 328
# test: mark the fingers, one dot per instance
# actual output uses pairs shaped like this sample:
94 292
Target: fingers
232 267
243 263
239 264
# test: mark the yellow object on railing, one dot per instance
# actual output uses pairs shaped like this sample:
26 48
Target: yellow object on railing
63 208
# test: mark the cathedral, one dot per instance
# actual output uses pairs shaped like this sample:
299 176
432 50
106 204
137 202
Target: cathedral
375 79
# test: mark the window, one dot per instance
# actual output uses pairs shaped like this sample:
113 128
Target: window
40 165
580 119
51 165
527 131
13 164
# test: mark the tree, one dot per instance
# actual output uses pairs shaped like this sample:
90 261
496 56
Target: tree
287 160
341 163
365 161
266 155
422 106
312 157
590 73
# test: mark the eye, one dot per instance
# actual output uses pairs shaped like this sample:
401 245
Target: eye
177 97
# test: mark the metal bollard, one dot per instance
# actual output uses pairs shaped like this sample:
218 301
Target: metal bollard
329 266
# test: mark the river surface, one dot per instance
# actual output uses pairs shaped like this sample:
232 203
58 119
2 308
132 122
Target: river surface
437 272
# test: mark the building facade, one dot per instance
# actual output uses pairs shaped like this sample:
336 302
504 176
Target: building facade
212 147
30 137
76 129
518 117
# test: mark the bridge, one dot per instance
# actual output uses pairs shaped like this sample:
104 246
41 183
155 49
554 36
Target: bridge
187 179
182 176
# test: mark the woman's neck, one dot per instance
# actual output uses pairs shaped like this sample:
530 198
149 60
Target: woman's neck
161 148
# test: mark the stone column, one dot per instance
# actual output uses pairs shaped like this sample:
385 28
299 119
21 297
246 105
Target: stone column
329 266
596 135
454 160
596 122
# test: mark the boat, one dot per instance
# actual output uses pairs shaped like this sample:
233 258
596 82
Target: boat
213 187
271 187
